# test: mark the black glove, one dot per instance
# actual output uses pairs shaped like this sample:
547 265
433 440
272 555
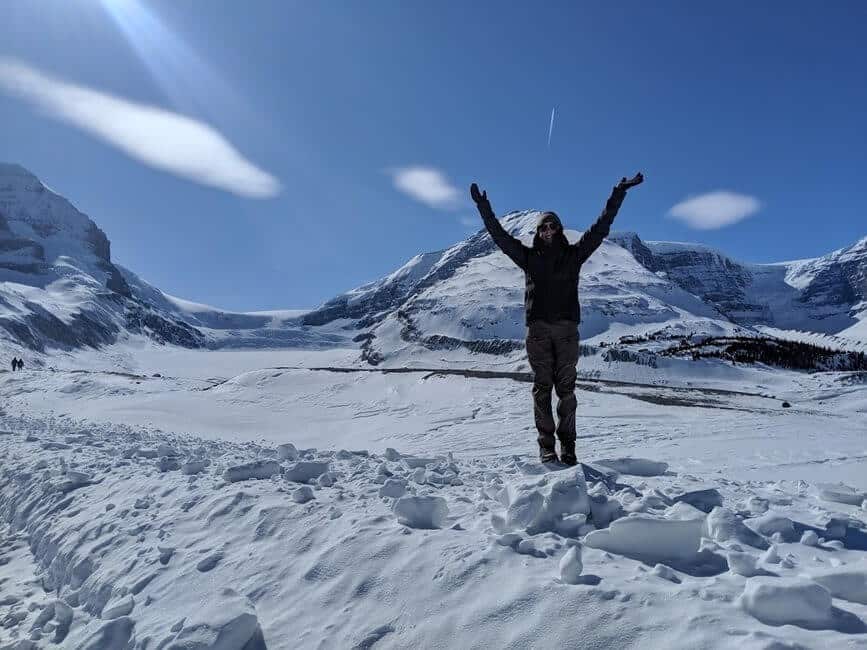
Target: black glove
481 200
625 184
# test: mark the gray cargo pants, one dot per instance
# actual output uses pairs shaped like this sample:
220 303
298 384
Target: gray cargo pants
552 350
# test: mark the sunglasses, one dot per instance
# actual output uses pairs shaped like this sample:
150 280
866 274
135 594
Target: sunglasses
547 226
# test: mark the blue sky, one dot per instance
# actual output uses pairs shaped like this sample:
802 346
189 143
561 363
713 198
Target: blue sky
272 154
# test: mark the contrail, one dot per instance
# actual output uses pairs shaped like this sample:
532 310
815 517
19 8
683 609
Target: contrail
551 127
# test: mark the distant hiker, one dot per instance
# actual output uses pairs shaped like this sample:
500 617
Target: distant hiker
14 364
551 267
20 364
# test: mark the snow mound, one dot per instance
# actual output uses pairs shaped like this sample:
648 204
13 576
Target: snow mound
787 601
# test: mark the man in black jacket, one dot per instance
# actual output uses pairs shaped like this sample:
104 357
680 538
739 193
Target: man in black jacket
551 269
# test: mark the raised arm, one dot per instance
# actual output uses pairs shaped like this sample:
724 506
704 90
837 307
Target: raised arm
511 246
592 238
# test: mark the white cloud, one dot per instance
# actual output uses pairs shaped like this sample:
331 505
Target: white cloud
715 209
157 137
426 184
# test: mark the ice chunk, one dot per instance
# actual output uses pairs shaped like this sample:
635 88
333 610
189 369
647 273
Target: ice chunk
393 487
810 538
571 566
836 527
771 556
168 463
220 623
164 449
645 537
849 584
743 564
524 509
757 505
666 573
841 493
412 462
770 523
303 494
604 510
258 469
571 525
722 525
421 512
704 500
785 601
287 451
540 507
306 470
73 480
682 510
635 466
193 467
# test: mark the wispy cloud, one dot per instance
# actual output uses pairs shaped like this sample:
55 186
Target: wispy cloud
715 209
157 137
426 184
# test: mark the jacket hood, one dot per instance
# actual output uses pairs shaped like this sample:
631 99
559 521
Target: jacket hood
549 216
559 238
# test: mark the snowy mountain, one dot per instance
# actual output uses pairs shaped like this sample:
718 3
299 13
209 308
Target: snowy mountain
470 296
826 294
60 289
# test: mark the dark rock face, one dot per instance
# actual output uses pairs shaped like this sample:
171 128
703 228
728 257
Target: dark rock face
40 329
713 278
838 286
140 319
750 294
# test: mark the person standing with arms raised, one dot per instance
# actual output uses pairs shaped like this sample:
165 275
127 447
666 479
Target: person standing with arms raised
551 268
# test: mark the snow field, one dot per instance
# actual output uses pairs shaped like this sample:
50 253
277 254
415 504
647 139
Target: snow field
262 537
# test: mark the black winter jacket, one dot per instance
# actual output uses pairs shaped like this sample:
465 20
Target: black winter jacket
551 272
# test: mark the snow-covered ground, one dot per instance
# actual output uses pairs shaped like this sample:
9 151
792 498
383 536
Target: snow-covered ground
256 499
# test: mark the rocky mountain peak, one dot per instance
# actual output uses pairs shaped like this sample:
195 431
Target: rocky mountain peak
43 236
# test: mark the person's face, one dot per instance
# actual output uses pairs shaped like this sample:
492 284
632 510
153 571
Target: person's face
547 231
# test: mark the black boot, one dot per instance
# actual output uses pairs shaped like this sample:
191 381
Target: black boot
567 452
547 453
